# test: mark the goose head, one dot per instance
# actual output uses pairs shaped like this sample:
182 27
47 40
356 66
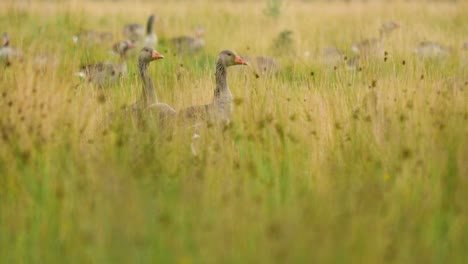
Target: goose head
199 31
230 58
5 40
122 47
388 27
148 55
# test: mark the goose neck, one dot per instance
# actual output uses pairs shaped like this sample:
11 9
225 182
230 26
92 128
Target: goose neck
123 67
221 78
148 95
222 96
149 25
382 34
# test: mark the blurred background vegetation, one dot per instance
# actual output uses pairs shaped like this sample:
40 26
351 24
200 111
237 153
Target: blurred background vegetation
319 163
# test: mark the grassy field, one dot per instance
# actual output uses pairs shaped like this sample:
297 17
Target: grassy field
318 165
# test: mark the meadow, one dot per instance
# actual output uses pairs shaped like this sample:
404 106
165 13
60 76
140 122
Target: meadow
319 164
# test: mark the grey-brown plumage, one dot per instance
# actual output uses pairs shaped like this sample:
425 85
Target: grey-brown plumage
148 102
134 32
264 65
353 62
122 47
221 106
103 73
332 56
375 46
93 37
431 49
8 53
189 44
138 33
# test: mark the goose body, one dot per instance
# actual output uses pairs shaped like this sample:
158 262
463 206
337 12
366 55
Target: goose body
150 39
148 101
134 32
189 44
431 49
221 106
7 53
375 45
44 61
106 72
264 65
367 46
332 56
138 33
102 73
92 37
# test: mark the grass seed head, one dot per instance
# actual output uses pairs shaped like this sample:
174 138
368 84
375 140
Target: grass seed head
101 98
406 153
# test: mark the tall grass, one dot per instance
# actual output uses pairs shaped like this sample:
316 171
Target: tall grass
317 165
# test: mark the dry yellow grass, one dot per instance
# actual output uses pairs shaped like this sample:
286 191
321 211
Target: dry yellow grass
317 165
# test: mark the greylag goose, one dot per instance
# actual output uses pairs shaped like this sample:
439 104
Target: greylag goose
7 53
189 44
122 47
43 61
134 32
332 56
92 37
106 72
353 63
148 100
150 39
137 32
431 49
375 45
263 64
221 106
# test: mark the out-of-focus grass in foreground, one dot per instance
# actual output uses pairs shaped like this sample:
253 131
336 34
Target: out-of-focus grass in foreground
318 165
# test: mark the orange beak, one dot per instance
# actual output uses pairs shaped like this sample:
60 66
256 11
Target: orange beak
156 55
239 60
131 45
